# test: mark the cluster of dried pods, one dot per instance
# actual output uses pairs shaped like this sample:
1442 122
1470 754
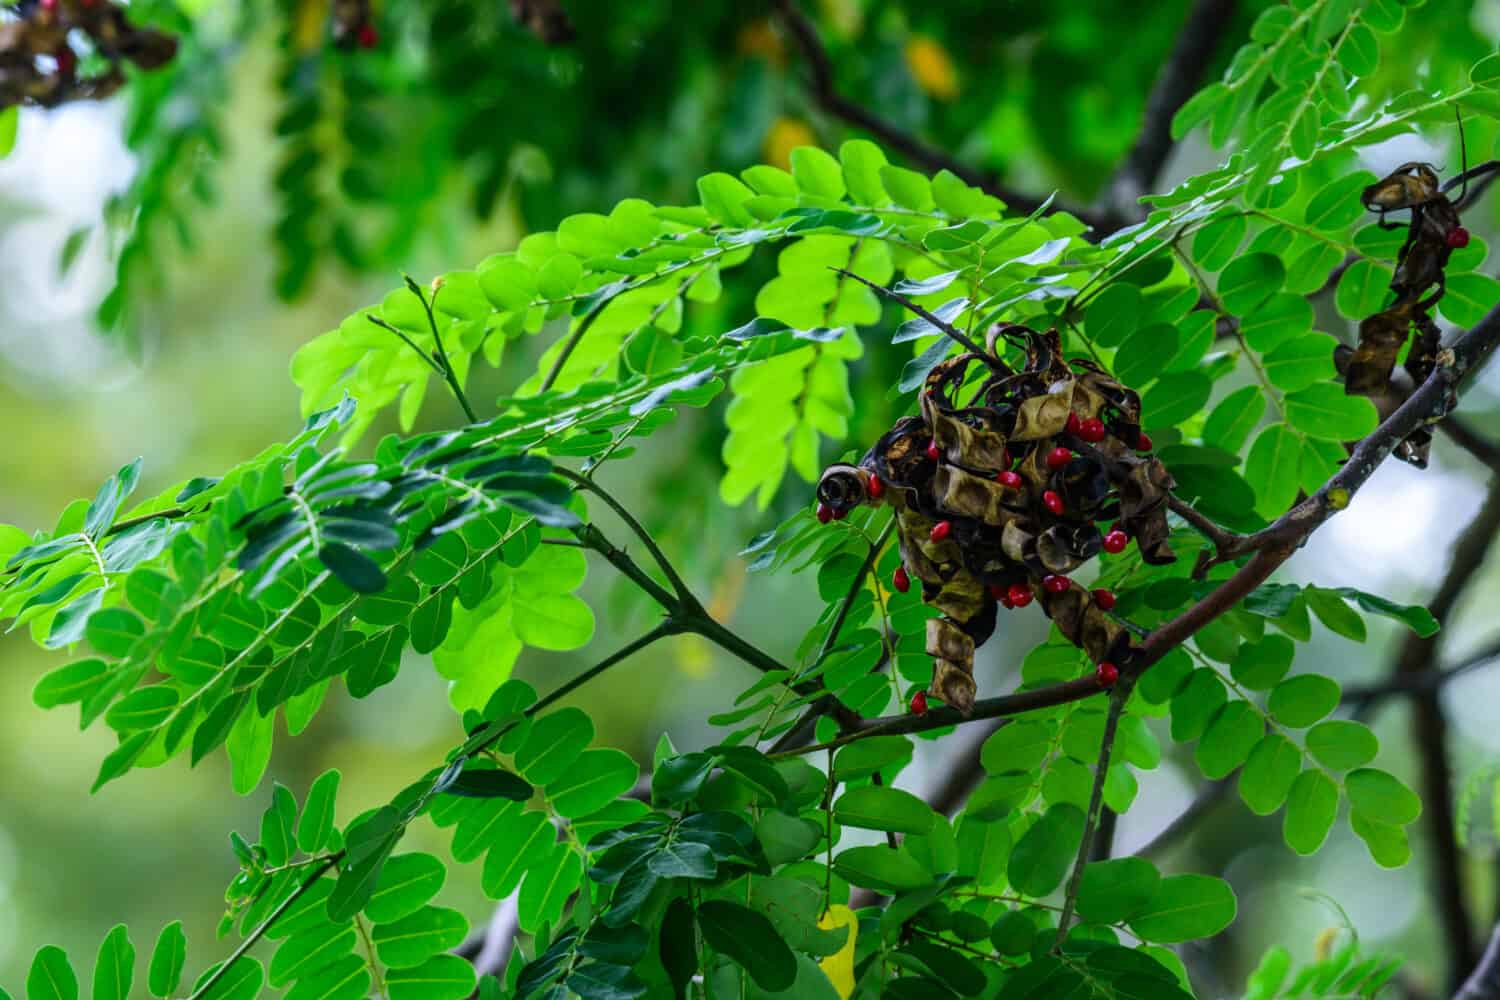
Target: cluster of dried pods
39 65
997 501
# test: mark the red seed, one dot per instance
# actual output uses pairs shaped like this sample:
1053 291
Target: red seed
900 580
1053 501
876 488
919 703
1115 542
840 513
1074 426
1005 457
1107 674
1006 602
1009 480
1104 598
1056 584
368 37
1458 237
1020 595
933 451
996 591
67 62
49 5
825 513
1058 457
1092 430
1143 443
940 530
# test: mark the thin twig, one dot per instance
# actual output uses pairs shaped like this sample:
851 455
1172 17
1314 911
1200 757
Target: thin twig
449 375
577 335
265 925
1484 982
1117 698
948 329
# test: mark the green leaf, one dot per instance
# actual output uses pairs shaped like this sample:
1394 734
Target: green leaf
167 960
596 778
1175 398
1229 424
442 977
411 940
874 807
113 631
1113 314
1325 412
1272 466
1413 616
1281 318
817 172
407 882
1337 204
316 823
1468 298
1342 744
353 568
1261 665
1249 280
114 969
877 753
1186 907
1041 857
1386 842
303 955
492 783
1311 807
883 868
1300 701
1378 793
749 939
1199 108
368 843
74 682
1269 772
51 977
1233 733
1116 890
10 120
1337 616
1486 72
1215 244
1363 290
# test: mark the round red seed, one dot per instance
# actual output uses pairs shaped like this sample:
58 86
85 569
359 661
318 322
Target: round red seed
1458 237
1074 425
1143 443
1059 457
1115 542
900 580
997 591
940 530
67 62
1092 430
1104 598
825 513
1053 501
1010 480
368 36
1020 595
1056 583
876 488
933 451
919 703
1006 602
1106 674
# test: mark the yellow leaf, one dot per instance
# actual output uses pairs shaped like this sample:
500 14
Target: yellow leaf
785 135
932 68
839 967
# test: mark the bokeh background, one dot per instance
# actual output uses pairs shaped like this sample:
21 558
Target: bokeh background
220 224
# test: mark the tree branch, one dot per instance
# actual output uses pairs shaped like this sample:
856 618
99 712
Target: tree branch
1417 659
824 93
1484 982
1185 67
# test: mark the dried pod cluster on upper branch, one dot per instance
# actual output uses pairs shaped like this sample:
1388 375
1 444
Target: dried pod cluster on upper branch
998 499
39 65
1433 232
